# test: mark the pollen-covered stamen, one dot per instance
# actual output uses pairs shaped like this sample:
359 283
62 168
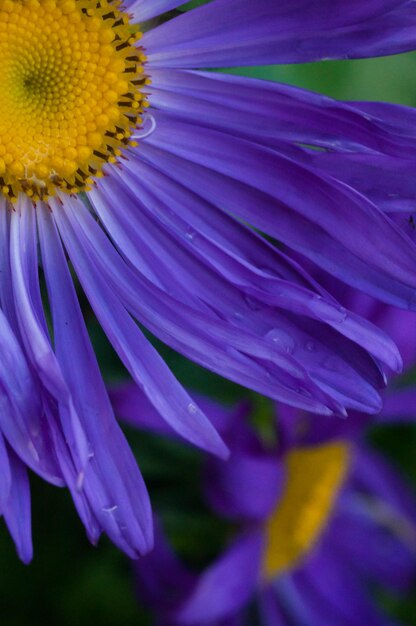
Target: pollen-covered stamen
70 93
314 476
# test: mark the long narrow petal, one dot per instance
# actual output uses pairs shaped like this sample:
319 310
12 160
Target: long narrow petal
231 580
143 10
143 362
112 480
199 336
5 473
197 231
226 292
283 112
17 512
263 478
334 226
363 543
30 314
223 33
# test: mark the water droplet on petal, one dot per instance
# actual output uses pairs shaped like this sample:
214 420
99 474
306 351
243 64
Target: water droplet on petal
327 311
109 509
147 128
80 481
310 345
192 408
282 339
343 312
190 234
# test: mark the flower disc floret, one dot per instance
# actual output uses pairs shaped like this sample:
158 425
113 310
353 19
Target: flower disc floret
314 477
70 93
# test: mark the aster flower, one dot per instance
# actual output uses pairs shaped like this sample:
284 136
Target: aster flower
156 232
321 523
320 520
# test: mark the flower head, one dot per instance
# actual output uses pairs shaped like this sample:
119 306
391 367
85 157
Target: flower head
320 527
71 95
157 232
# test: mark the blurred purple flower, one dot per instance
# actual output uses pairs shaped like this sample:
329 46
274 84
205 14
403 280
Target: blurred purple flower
323 522
323 519
163 238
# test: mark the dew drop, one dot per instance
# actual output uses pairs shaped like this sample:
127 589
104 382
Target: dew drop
109 509
192 408
148 127
282 339
190 234
80 481
327 311
343 312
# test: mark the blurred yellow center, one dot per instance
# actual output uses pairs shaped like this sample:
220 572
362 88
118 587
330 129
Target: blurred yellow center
314 478
69 93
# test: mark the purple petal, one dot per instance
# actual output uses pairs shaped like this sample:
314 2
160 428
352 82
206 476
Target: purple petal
145 365
285 116
189 280
133 406
200 336
111 480
32 325
246 486
146 9
227 585
270 609
346 242
17 513
186 252
5 473
223 33
377 555
335 593
163 582
399 406
372 473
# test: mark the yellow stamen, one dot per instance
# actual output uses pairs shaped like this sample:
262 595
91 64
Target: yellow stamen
70 93
314 478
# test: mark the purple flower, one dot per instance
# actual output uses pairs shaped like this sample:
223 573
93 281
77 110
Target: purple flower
158 232
323 521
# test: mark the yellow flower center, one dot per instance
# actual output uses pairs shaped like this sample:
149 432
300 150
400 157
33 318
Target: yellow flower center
314 478
69 93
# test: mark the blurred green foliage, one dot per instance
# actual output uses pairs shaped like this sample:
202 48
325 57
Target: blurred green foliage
387 78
